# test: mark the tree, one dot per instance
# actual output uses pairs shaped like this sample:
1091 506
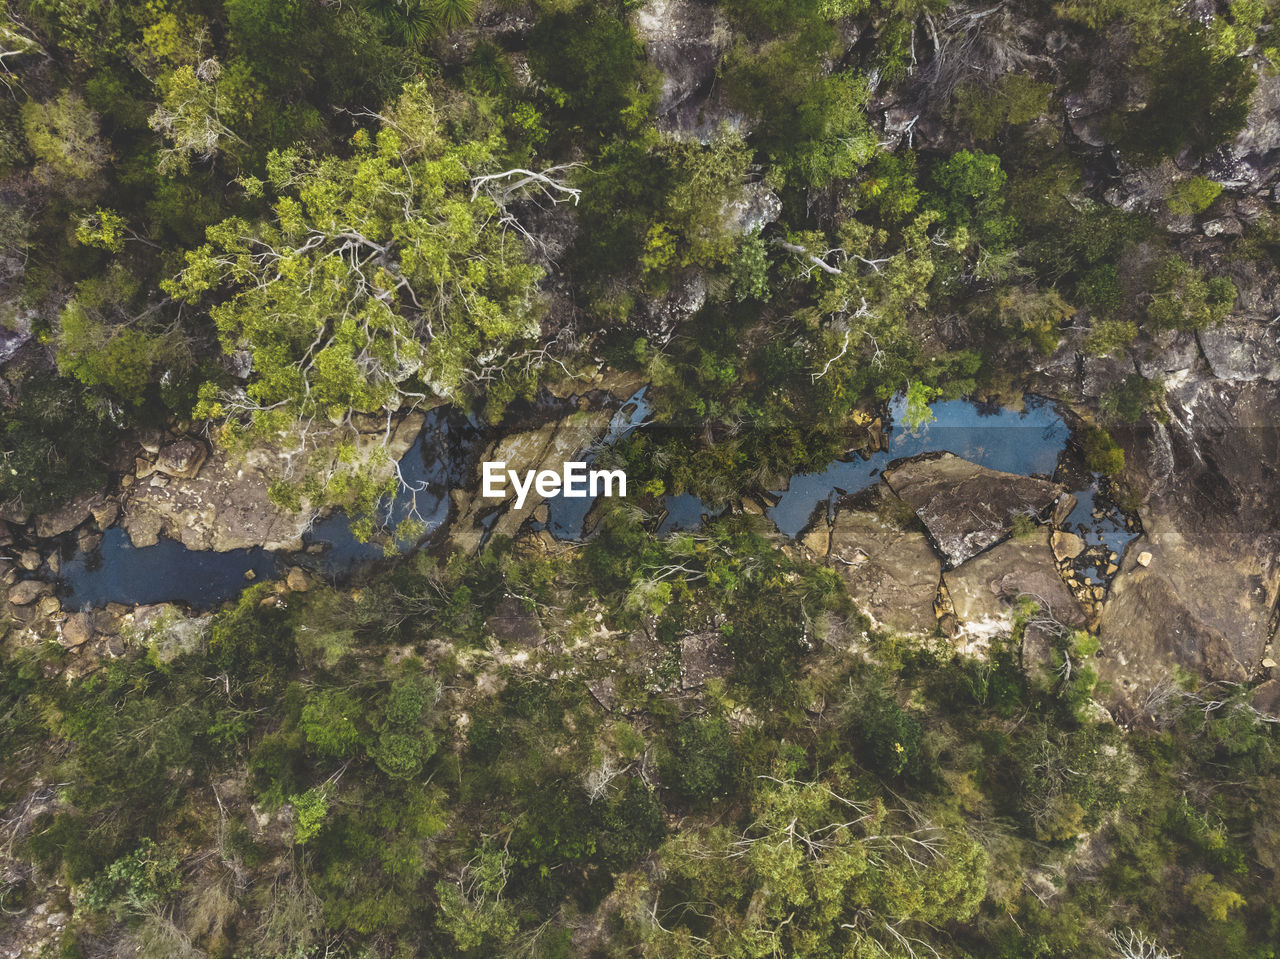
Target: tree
63 135
375 281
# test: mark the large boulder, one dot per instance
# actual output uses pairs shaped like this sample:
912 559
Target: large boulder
68 516
703 656
877 546
1243 349
967 508
26 592
182 458
682 38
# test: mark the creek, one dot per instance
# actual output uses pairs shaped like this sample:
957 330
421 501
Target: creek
1027 441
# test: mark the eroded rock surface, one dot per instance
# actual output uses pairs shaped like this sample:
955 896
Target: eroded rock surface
547 447
966 507
878 548
1205 599
226 505
985 590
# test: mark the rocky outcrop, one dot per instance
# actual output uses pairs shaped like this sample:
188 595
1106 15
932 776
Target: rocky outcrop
69 516
879 550
985 590
1243 349
966 507
226 504
684 39
512 623
1205 598
547 447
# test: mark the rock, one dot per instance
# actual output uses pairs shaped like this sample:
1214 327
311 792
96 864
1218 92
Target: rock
297 580
682 39
55 562
126 481
26 592
87 541
67 517
512 622
106 513
966 507
703 656
1247 349
817 538
605 692
1066 545
1268 663
76 630
985 589
29 560
168 631
49 606
756 208
150 440
886 562
547 447
1062 509
1144 558
1223 226
6 535
250 575
227 506
181 459
1266 698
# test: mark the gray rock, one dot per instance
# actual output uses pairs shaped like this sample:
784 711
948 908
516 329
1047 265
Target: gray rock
682 39
703 656
1243 349
966 507
181 459
1223 226
512 623
887 564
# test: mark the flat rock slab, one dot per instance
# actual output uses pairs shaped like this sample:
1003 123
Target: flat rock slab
703 656
890 569
966 507
985 590
1199 603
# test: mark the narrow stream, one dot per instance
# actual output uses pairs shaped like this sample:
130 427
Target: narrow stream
1029 441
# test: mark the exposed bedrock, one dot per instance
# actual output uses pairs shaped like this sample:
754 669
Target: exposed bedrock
965 507
1205 597
877 546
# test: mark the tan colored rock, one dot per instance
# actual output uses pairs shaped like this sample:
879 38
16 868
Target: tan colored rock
817 539
49 606
182 459
1144 558
226 505
1268 663
26 592
985 589
885 560
297 580
76 631
1066 545
250 575
29 560
105 514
